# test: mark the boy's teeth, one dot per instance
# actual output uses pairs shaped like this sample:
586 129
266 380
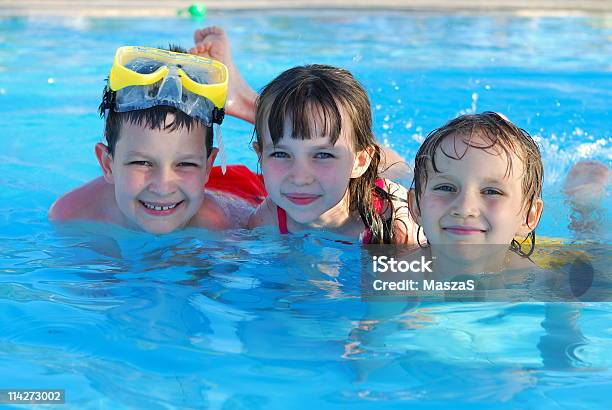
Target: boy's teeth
159 208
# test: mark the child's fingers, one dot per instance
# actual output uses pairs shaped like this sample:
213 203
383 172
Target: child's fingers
195 49
202 44
202 47
200 35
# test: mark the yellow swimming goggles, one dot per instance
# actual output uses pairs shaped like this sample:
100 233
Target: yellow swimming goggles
144 77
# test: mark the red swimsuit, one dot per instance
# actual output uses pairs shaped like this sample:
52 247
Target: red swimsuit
240 181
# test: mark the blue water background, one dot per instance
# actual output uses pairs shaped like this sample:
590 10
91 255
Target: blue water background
251 320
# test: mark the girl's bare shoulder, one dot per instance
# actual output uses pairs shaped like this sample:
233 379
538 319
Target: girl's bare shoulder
404 227
263 215
222 211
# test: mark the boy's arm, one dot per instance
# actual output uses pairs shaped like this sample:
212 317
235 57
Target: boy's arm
85 202
212 42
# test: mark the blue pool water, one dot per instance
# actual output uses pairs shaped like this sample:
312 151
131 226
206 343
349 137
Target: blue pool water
250 320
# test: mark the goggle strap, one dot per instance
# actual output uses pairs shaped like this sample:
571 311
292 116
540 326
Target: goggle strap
108 101
217 115
221 146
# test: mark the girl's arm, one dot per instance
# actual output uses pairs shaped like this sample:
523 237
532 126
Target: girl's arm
212 42
393 166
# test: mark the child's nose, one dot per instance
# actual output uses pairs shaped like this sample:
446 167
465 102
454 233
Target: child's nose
466 204
301 173
163 182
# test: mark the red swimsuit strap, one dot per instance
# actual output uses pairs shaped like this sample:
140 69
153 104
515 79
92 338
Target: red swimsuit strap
378 202
379 208
282 220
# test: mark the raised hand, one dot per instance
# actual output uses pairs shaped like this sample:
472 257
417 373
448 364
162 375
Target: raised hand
212 42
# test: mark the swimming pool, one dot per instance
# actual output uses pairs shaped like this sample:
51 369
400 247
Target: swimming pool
249 320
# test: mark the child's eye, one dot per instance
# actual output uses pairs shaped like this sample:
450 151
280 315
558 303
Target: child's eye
279 154
492 191
188 164
444 188
141 163
324 155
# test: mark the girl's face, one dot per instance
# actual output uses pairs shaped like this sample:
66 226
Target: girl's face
475 200
309 178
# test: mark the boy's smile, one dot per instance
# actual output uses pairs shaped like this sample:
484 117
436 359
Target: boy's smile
477 199
159 175
160 209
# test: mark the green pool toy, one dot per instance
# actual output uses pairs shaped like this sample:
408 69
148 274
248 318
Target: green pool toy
196 11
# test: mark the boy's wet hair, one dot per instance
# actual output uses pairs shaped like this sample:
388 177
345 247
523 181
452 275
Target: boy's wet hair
153 117
487 131
322 92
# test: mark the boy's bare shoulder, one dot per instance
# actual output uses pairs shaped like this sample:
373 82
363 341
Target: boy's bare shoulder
263 215
90 201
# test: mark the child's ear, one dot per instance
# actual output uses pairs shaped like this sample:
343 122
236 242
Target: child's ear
210 161
105 160
257 149
362 161
412 206
533 218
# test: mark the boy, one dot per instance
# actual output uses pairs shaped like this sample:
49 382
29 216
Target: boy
159 107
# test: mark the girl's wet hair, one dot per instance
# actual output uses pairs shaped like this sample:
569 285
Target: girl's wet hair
495 134
323 92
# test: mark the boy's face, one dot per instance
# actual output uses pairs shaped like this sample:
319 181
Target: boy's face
159 175
473 200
